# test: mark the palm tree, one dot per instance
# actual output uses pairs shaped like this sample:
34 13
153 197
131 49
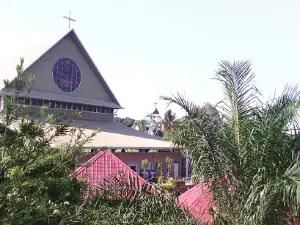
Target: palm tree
251 158
169 119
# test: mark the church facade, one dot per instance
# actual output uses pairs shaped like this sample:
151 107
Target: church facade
67 80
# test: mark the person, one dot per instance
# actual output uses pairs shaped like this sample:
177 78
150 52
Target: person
148 175
141 173
152 176
168 173
160 178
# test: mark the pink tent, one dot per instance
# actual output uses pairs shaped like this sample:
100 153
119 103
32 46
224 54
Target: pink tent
197 201
105 165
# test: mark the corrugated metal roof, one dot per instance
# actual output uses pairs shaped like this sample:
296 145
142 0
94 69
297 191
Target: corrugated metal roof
116 136
105 165
197 201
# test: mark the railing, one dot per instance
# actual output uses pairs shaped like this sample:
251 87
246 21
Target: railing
187 179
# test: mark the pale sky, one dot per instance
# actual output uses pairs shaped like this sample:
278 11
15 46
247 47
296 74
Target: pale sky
147 48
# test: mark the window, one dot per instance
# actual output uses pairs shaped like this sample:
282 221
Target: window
46 103
66 75
89 108
109 110
34 101
20 101
69 105
57 105
52 104
27 101
40 102
63 105
74 107
159 166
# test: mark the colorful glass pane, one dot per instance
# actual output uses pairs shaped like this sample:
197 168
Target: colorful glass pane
66 75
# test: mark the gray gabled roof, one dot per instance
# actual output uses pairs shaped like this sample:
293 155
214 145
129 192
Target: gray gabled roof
34 55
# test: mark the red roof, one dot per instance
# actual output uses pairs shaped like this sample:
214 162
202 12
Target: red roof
103 165
197 201
105 170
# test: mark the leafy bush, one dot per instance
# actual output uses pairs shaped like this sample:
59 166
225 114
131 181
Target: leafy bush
196 179
167 186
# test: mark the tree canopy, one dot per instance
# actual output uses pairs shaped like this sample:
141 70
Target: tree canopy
127 121
249 156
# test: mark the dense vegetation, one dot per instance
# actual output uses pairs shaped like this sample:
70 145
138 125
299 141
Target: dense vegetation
247 151
37 181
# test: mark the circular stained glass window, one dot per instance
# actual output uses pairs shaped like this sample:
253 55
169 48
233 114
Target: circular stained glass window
66 75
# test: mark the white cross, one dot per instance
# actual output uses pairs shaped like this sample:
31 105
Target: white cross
70 19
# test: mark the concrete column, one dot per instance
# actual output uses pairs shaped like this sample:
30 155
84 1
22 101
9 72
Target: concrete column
186 164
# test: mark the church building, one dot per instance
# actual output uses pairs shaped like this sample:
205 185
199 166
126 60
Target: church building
68 80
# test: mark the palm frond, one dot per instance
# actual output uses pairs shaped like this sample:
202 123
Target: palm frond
241 94
191 108
274 200
284 109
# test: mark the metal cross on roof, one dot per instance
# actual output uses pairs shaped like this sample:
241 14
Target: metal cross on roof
70 19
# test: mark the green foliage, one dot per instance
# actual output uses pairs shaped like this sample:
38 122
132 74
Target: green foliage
249 153
37 181
174 186
167 186
196 179
142 125
170 120
127 121
144 164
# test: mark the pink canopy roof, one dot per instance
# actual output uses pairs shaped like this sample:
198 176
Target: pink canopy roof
197 201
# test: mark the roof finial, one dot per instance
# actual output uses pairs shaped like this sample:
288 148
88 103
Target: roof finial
70 19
